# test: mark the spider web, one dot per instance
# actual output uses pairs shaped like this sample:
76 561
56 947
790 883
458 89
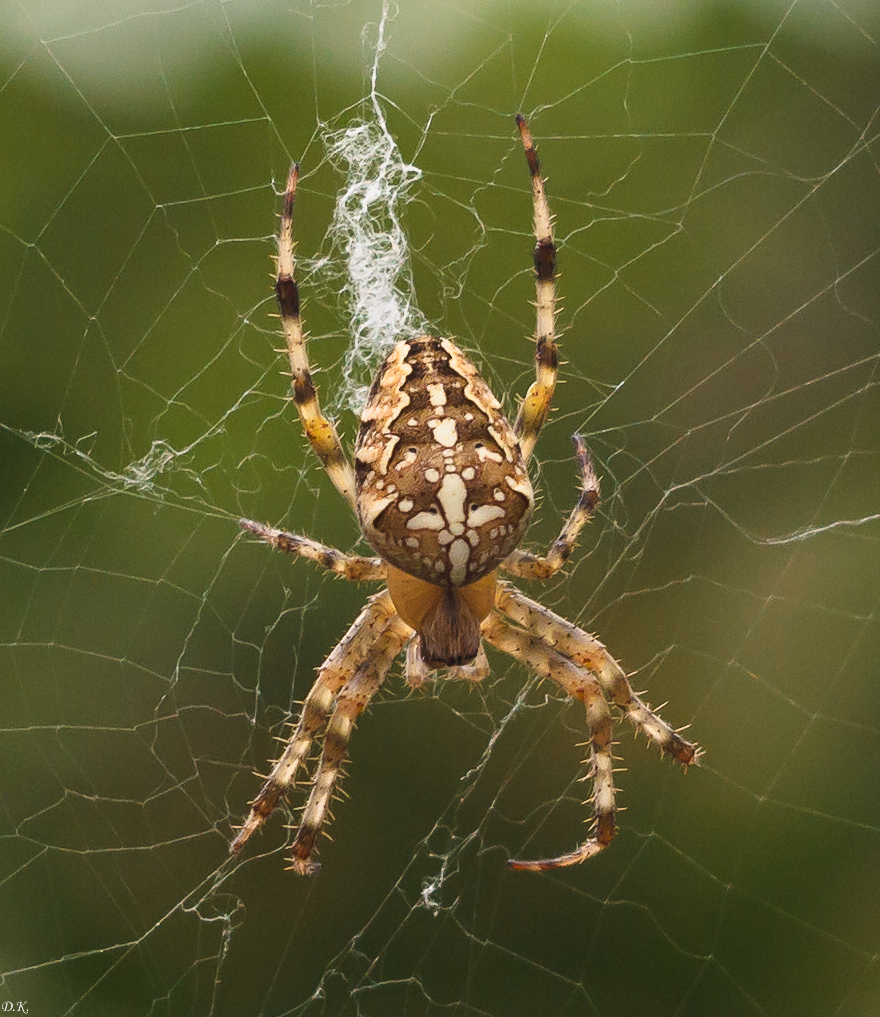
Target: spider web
713 171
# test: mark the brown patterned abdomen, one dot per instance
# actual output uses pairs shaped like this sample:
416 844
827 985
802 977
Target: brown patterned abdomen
442 490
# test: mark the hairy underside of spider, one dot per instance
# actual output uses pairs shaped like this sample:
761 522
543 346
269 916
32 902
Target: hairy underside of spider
441 492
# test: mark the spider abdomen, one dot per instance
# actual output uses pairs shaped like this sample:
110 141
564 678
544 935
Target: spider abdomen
442 489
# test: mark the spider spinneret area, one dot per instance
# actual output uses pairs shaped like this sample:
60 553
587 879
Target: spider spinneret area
441 492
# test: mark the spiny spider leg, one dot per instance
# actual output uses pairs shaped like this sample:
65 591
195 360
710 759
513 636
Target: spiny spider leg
587 652
528 565
352 700
374 624
578 683
321 433
536 404
355 568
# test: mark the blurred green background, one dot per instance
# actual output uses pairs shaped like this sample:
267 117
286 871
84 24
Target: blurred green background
713 171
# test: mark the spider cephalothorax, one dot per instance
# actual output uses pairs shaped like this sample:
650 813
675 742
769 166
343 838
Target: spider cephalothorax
441 492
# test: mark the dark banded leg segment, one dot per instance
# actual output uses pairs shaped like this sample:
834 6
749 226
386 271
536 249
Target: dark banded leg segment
527 565
321 433
536 404
354 567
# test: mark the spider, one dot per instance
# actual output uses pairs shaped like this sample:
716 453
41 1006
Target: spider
441 492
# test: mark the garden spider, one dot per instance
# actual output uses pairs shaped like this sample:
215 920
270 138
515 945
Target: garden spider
442 494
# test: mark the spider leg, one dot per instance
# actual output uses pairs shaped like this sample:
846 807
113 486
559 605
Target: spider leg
371 630
578 683
527 565
536 404
354 567
352 700
587 652
321 433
